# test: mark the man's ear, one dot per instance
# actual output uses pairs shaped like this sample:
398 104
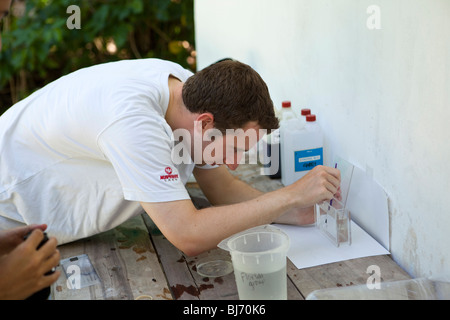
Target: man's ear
207 120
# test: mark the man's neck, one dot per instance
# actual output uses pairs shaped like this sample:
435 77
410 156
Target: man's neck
177 116
173 101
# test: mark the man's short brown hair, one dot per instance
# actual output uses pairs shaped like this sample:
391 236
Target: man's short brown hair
233 92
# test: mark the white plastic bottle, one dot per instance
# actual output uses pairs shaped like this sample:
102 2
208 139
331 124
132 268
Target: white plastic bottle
301 148
304 112
286 111
272 165
311 123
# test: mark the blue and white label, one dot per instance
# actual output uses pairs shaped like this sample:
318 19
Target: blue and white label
307 159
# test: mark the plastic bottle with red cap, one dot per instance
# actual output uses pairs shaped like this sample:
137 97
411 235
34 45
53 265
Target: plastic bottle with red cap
303 114
271 143
311 123
301 145
286 111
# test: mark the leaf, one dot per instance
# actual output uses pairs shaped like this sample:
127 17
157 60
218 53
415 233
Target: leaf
121 36
175 47
40 45
137 6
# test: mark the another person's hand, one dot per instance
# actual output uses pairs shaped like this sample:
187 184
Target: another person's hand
22 270
11 238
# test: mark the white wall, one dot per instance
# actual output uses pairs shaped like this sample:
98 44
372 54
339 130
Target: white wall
382 96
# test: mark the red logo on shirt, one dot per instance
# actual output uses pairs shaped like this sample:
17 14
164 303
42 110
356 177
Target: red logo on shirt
169 176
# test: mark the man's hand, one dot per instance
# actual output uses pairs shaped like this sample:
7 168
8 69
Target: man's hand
23 269
318 185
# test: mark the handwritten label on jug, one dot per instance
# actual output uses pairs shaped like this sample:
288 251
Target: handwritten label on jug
263 285
253 279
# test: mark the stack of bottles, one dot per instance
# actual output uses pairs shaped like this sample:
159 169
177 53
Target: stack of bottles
300 144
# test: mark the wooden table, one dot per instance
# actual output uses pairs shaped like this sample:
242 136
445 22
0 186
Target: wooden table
135 261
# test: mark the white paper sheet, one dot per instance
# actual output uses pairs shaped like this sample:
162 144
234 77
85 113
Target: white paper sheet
309 247
368 205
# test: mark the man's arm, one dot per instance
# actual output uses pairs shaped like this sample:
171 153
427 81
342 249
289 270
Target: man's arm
222 188
194 231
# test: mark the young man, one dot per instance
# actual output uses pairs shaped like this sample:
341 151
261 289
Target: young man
90 150
23 268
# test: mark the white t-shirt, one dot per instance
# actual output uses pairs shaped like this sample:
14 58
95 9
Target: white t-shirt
80 153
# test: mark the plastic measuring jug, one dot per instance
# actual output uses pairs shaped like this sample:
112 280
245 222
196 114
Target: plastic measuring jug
259 261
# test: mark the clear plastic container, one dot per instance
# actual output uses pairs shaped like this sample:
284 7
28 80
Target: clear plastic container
415 289
259 262
212 266
334 221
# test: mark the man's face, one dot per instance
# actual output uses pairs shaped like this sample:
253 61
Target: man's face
4 10
228 149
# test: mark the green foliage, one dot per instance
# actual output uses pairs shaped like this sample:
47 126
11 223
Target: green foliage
38 47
